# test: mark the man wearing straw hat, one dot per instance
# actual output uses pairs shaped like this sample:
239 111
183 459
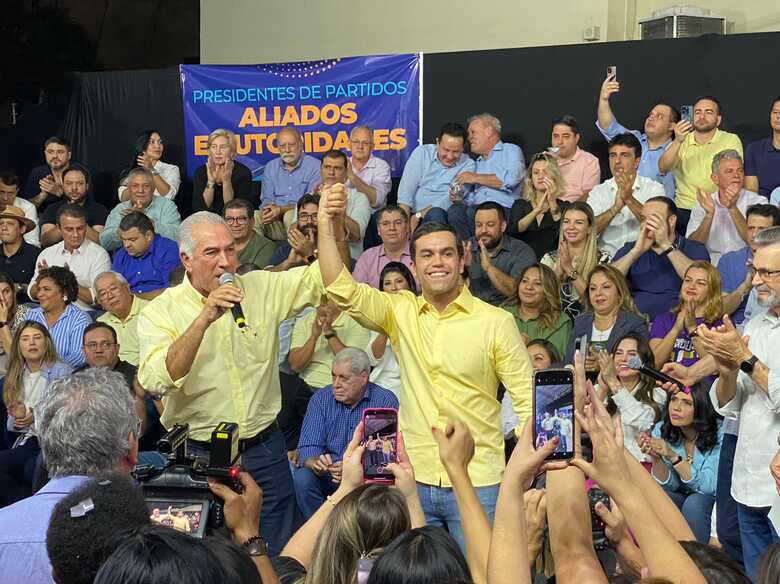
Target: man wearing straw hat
19 257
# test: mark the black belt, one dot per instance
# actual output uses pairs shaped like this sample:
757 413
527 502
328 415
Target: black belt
245 444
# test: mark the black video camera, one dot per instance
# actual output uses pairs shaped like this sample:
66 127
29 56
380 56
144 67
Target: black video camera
178 494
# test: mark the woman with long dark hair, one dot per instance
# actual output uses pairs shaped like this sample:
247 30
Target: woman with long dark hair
12 315
32 366
147 154
685 451
394 278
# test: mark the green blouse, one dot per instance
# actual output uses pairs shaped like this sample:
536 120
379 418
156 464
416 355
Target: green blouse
558 335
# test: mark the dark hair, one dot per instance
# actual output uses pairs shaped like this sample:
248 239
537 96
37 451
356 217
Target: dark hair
552 352
247 267
401 269
242 204
713 99
78 546
433 227
646 386
76 167
426 555
335 154
138 220
141 144
234 560
714 564
674 112
763 210
64 279
71 210
769 567
159 555
308 199
491 205
629 141
774 101
57 140
97 325
670 205
567 120
391 208
176 275
453 129
8 177
705 420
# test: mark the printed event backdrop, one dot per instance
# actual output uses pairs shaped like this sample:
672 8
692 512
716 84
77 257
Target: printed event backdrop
324 99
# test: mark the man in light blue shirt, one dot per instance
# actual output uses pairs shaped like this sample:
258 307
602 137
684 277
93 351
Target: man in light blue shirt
656 138
498 176
287 178
424 190
163 212
87 426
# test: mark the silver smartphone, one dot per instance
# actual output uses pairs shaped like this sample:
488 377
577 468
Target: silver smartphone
612 72
686 113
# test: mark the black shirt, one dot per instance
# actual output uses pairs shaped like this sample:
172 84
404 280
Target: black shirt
241 179
32 188
542 238
21 267
96 213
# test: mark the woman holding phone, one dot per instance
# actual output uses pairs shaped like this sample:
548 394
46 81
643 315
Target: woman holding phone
148 154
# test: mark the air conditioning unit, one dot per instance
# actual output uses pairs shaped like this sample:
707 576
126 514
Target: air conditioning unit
678 22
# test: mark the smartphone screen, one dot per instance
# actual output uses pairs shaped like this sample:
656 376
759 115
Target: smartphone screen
380 430
686 113
554 410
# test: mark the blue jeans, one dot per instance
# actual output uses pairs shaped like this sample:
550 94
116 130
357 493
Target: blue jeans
697 510
757 534
311 491
267 463
727 520
441 510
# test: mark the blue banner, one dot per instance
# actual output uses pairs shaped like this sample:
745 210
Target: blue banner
323 99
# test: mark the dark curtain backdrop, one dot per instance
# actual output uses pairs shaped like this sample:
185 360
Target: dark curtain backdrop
525 88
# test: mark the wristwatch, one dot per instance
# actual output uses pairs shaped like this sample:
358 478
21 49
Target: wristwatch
418 215
329 336
668 250
748 365
678 461
256 546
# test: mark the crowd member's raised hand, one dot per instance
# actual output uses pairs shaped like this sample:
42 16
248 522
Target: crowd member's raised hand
608 87
774 468
616 530
535 503
403 472
681 130
725 344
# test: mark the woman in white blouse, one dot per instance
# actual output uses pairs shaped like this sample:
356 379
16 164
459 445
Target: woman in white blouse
32 366
395 278
627 392
148 153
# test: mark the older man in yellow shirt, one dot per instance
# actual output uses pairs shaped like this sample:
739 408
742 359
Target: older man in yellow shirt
209 370
121 312
453 350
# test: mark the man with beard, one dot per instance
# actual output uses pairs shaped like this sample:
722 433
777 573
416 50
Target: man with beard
690 155
654 141
455 349
252 247
301 238
286 179
748 388
495 260
44 184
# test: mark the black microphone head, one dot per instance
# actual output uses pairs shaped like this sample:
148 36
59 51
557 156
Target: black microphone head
635 363
226 278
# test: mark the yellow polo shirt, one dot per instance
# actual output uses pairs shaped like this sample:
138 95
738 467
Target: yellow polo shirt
126 330
317 373
235 374
451 364
694 165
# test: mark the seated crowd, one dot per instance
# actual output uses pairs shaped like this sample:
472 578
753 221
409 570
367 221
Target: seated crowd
439 299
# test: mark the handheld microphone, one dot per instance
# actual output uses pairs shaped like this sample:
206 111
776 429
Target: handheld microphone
637 364
238 313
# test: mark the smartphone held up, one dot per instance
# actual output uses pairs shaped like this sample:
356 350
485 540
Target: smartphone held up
553 411
380 438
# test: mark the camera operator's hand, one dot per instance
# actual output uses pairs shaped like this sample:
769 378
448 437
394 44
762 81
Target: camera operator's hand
242 510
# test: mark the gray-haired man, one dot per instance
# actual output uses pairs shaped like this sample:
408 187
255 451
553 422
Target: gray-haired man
86 425
718 219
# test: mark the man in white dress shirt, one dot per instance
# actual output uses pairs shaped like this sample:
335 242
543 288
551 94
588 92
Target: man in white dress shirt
749 387
718 220
617 202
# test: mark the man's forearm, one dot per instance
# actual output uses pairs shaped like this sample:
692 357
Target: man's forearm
353 229
635 207
85 295
680 262
365 188
740 224
330 260
702 233
51 236
727 388
182 352
605 117
670 156
299 357
489 180
623 265
603 220
476 528
502 282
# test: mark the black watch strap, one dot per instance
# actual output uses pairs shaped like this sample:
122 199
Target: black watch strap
668 250
678 461
748 365
255 546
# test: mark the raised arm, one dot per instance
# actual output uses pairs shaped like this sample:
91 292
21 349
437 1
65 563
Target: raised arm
605 116
330 230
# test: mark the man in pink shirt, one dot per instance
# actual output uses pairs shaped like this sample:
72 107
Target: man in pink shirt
580 169
367 173
394 231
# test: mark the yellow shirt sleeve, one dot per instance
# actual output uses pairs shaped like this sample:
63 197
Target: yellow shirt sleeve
368 306
513 367
302 330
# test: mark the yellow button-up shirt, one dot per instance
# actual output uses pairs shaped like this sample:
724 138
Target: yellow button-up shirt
694 166
126 330
317 373
235 375
451 364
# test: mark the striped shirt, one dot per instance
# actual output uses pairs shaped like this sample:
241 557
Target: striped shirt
328 425
67 332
